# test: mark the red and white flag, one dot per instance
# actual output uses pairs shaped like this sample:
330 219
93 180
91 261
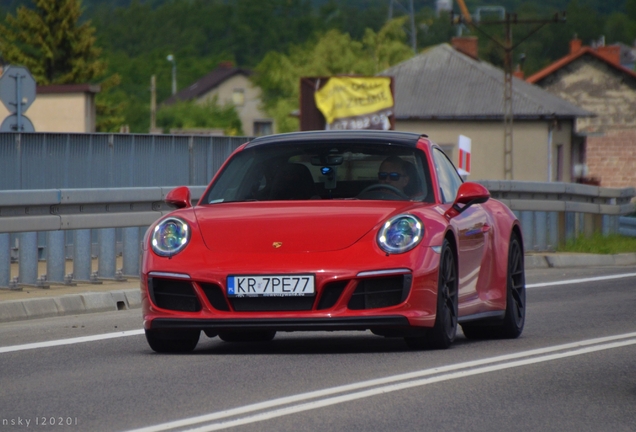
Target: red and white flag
464 155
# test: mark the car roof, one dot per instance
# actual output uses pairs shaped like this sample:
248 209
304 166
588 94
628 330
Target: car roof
408 139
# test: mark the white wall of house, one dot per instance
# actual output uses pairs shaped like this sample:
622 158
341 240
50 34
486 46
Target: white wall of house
248 109
60 112
531 143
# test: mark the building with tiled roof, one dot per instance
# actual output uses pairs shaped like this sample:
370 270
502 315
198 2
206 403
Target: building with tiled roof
595 79
447 91
230 85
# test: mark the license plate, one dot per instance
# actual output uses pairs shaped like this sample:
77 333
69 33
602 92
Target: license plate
271 286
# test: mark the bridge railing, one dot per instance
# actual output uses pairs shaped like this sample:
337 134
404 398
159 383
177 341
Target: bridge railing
79 228
66 227
553 213
627 226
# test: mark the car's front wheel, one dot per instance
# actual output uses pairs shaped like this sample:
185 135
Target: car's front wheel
172 341
514 319
443 333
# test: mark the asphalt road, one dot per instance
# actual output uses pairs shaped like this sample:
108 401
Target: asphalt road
573 369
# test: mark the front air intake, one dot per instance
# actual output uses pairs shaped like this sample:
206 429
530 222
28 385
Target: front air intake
215 296
373 293
173 294
331 293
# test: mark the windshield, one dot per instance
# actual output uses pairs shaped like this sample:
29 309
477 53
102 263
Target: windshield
323 171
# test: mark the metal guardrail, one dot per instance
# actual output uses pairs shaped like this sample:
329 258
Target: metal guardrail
553 213
71 209
627 226
550 214
77 211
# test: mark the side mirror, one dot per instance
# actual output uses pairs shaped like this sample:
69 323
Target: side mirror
179 197
468 194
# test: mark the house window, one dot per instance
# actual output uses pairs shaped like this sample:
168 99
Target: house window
263 127
238 97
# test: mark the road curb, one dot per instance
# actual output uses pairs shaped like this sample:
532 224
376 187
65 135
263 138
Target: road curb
535 261
565 260
71 304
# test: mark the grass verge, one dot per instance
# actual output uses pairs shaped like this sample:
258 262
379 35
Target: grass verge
599 244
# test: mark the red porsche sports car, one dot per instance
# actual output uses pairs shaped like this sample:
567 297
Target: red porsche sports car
334 230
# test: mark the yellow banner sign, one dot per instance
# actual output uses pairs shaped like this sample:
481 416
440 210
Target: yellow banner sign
344 97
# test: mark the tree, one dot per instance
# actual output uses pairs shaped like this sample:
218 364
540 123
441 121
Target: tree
51 43
57 49
334 53
191 115
434 30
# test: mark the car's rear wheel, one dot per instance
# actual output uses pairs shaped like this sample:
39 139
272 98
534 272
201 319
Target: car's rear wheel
512 325
442 335
247 336
172 341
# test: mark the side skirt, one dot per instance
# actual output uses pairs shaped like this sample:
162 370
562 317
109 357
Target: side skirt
484 318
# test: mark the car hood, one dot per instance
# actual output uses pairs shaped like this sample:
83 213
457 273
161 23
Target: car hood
291 227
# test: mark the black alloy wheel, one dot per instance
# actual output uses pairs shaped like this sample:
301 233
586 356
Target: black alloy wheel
443 333
172 341
511 326
516 292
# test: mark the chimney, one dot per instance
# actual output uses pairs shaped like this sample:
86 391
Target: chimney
227 64
611 53
518 72
575 45
466 45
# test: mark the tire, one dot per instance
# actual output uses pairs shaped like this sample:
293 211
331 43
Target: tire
443 333
247 336
172 341
514 319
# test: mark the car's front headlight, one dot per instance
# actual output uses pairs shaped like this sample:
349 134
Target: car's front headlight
400 234
170 237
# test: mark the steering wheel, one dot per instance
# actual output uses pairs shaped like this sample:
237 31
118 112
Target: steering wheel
393 189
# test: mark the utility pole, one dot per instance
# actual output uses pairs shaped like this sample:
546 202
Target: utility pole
507 45
411 12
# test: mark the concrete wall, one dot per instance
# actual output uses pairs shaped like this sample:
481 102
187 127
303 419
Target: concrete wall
60 112
250 111
531 140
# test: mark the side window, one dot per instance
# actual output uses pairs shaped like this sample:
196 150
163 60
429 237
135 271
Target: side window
447 176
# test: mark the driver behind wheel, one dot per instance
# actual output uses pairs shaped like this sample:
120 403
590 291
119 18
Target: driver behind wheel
393 172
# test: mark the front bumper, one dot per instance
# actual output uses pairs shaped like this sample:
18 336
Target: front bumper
386 292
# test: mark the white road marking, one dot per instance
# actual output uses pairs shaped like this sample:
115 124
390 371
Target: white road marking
383 385
577 281
70 341
391 383
397 387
